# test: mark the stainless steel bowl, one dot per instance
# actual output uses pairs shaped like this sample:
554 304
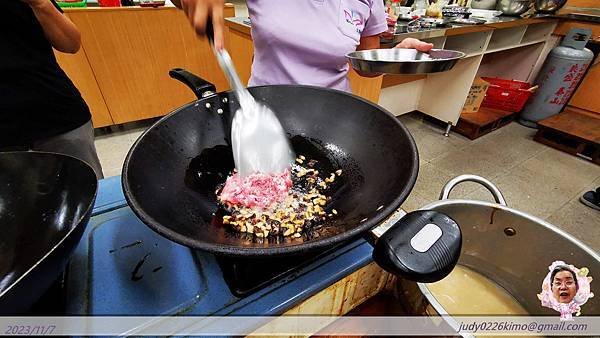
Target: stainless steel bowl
513 7
404 61
484 4
548 6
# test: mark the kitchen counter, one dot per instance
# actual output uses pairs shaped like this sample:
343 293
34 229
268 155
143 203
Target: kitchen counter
242 24
589 19
457 29
586 17
505 47
124 61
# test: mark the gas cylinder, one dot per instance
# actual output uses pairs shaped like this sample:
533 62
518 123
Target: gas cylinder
562 71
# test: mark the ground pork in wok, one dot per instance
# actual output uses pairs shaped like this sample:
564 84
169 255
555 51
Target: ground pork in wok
283 204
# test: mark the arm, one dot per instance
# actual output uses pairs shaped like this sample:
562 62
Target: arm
377 24
199 12
58 29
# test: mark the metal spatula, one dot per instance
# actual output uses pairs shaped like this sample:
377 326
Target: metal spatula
258 140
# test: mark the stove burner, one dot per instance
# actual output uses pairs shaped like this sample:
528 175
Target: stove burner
245 276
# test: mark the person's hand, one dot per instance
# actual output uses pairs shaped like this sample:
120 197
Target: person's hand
411 43
199 12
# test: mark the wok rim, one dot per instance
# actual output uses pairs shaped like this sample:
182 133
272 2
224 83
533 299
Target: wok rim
79 224
241 251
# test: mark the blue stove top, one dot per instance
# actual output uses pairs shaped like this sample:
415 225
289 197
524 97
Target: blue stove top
121 267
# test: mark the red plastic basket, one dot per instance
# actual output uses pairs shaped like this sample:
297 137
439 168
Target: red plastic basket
509 95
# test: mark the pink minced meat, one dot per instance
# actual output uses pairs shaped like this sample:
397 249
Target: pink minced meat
256 190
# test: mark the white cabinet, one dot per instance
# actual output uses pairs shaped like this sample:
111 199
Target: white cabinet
515 52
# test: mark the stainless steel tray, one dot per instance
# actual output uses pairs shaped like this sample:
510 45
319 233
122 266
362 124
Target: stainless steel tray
403 61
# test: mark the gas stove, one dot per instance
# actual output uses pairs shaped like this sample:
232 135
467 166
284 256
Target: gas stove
121 267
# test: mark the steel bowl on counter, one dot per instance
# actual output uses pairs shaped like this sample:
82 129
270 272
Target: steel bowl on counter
513 7
484 4
404 61
456 12
548 6
509 247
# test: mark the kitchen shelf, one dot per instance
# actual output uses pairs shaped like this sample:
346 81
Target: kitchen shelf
506 38
471 44
516 52
473 55
438 42
529 43
538 32
500 49
513 64
439 99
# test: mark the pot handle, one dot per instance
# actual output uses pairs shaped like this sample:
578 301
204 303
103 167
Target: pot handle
423 246
498 197
198 85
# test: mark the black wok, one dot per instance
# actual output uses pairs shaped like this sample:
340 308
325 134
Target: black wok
171 173
45 202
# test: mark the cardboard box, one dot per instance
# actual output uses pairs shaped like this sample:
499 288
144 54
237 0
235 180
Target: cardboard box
476 95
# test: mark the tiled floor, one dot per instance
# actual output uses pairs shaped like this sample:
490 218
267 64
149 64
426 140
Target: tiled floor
113 143
533 178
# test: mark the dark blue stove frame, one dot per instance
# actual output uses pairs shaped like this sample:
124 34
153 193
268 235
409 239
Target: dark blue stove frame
121 267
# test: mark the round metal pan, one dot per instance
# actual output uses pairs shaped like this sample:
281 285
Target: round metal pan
172 171
404 61
376 153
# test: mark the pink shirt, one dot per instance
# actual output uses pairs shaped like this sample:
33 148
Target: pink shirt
305 41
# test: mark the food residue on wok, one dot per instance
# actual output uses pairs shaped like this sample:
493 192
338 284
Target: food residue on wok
283 204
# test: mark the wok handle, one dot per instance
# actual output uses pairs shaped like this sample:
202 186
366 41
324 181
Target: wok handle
498 197
198 85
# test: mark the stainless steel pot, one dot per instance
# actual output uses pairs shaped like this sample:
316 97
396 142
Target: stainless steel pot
548 6
484 4
513 7
508 246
